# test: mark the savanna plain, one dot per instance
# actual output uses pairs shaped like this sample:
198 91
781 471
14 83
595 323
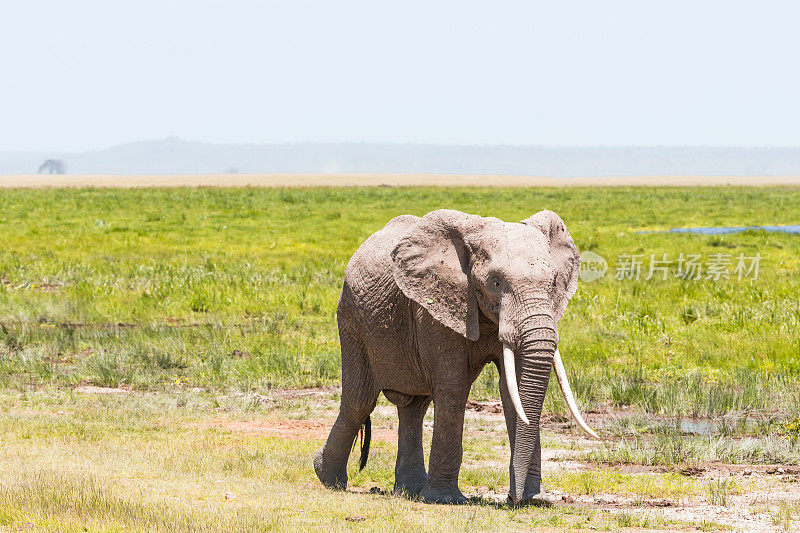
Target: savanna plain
169 362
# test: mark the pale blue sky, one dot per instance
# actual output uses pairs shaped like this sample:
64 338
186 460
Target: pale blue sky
80 74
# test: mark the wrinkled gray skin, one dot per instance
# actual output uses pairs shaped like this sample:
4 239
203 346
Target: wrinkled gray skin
426 304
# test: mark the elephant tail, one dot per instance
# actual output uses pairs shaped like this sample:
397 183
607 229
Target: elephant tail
366 435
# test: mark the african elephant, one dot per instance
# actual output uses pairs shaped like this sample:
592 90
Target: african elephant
428 302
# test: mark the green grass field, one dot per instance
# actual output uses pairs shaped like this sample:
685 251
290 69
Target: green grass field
165 462
234 291
148 287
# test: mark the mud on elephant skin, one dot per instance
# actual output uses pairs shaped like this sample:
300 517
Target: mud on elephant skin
427 303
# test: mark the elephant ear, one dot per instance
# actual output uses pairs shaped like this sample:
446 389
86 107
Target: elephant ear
564 254
431 266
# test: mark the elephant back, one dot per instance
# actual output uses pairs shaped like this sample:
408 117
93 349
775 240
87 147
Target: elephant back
369 289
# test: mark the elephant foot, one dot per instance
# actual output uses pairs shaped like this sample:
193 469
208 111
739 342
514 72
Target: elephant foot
330 478
533 494
411 483
410 479
438 495
542 499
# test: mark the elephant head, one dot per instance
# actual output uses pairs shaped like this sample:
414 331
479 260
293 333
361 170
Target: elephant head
520 276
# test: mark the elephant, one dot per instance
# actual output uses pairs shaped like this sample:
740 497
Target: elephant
426 303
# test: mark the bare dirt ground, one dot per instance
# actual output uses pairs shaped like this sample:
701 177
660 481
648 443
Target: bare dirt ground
393 180
762 488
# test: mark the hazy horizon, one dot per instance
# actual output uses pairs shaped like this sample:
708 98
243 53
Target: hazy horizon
170 138
176 156
88 75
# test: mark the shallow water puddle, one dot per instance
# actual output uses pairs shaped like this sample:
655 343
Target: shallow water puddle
722 230
698 426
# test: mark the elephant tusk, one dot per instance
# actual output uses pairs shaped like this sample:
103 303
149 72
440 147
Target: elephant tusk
561 375
511 381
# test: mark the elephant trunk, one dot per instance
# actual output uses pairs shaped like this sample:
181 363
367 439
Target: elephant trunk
535 358
530 350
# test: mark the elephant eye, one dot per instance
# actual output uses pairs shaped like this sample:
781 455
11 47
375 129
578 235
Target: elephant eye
496 283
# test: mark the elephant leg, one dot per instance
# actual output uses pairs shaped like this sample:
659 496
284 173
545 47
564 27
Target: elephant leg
358 400
532 489
449 404
409 471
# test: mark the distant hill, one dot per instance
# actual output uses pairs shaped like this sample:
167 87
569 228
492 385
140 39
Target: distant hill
176 156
